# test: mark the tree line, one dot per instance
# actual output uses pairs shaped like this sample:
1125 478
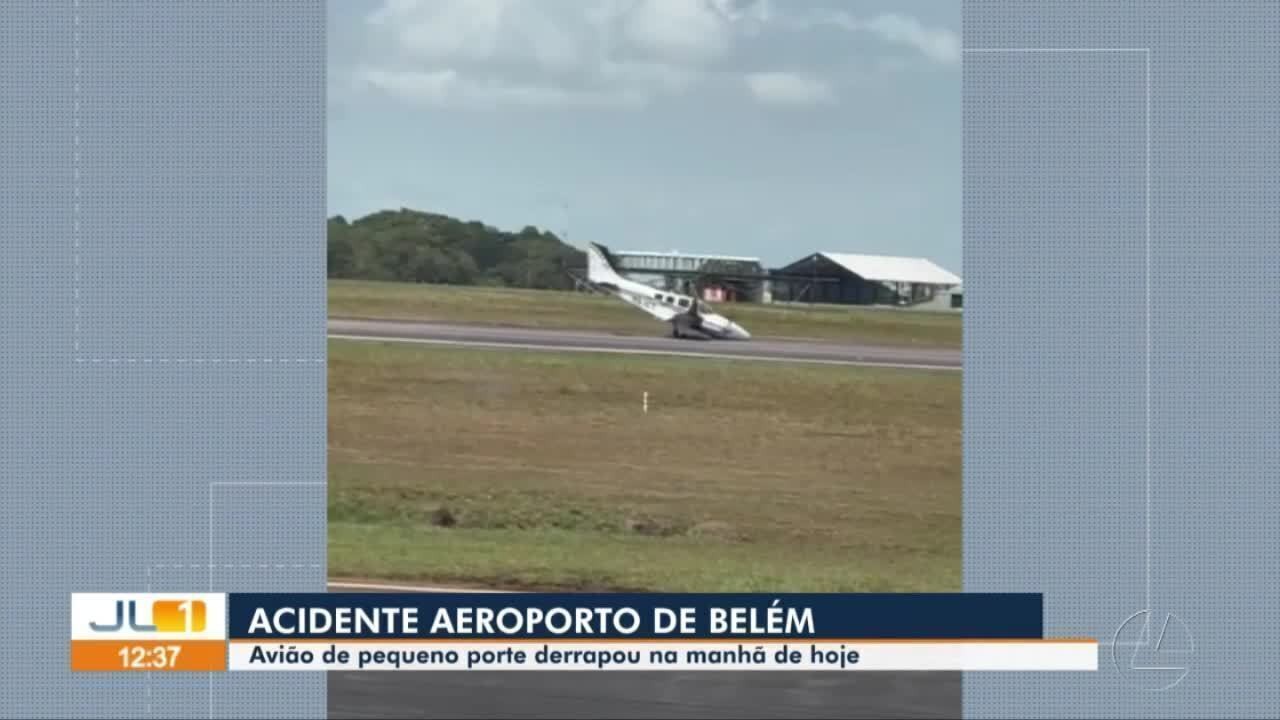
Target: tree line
414 246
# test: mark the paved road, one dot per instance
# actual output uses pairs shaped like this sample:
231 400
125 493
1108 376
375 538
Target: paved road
567 340
637 694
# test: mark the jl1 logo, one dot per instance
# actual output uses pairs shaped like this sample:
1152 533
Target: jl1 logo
167 616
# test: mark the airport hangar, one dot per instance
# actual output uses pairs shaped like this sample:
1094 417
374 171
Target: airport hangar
819 278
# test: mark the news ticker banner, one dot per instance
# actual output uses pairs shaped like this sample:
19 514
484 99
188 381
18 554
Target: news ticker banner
212 632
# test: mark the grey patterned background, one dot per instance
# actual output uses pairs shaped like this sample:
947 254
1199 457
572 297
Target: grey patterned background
162 222
1060 348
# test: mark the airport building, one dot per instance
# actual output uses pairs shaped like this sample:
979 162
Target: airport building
822 277
845 279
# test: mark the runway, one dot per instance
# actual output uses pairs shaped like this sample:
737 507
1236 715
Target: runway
638 694
788 351
644 695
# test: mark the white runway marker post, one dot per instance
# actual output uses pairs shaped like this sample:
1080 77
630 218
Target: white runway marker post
646 403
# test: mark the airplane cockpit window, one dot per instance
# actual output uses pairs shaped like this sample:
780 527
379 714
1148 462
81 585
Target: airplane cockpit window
684 302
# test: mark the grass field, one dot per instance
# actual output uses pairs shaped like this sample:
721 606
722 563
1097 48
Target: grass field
539 470
551 309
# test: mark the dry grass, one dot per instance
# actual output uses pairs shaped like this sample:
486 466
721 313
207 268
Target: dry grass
539 470
550 309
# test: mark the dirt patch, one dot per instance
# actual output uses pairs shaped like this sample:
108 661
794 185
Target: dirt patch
717 530
652 527
443 517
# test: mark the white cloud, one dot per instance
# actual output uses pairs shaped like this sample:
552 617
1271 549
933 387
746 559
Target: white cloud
450 88
937 44
480 31
681 30
605 53
750 12
787 88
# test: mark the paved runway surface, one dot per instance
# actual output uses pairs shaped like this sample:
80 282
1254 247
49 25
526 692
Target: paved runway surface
568 340
638 694
644 695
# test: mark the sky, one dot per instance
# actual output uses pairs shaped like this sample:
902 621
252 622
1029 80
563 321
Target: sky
762 128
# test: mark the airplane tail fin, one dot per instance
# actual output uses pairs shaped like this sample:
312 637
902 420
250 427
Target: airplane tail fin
599 269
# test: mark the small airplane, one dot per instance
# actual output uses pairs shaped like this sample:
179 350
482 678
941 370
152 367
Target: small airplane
689 317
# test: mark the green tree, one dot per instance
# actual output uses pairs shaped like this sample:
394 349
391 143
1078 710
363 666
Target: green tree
414 246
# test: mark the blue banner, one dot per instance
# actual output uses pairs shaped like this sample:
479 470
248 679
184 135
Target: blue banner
472 616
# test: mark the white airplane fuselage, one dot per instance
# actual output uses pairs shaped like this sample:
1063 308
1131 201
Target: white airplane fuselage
688 316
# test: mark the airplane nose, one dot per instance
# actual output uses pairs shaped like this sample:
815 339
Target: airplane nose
740 332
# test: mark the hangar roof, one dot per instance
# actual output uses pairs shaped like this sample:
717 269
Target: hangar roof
885 268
